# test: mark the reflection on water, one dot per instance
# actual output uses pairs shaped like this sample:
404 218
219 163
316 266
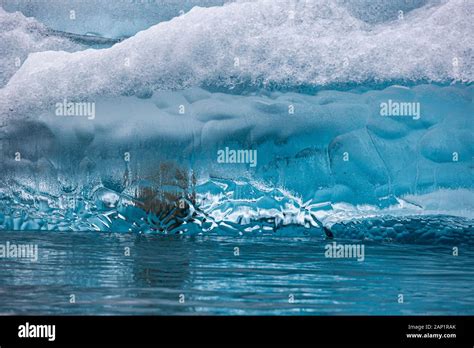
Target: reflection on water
211 276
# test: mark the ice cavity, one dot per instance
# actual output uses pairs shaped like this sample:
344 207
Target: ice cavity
20 36
284 43
334 147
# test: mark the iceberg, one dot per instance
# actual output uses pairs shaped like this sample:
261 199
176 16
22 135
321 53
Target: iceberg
351 114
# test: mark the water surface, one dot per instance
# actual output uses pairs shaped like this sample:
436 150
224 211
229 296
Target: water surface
261 280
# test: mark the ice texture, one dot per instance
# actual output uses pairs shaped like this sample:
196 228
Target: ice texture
300 82
261 43
335 146
112 19
20 36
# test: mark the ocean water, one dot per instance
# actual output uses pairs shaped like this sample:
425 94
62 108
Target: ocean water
261 280
164 162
